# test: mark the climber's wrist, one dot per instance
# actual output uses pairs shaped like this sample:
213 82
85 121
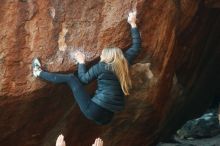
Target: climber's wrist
81 62
133 25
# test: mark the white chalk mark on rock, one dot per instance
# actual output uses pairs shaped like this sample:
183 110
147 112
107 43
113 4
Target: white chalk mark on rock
61 41
149 73
52 12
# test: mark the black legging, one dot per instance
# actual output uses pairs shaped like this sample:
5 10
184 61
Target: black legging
90 109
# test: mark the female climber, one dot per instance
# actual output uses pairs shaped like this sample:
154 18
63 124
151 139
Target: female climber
111 73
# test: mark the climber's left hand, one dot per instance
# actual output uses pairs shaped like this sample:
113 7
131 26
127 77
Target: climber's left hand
80 57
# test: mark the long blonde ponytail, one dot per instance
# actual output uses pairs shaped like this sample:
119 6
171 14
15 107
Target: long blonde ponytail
115 58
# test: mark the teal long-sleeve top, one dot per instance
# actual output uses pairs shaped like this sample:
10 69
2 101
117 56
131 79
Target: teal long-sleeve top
109 94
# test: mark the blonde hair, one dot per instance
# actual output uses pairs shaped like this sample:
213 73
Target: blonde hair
114 57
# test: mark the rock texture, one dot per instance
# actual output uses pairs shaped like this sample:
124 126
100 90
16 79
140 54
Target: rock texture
180 40
212 3
205 126
195 142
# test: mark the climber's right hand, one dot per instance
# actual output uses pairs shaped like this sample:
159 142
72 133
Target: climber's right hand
132 18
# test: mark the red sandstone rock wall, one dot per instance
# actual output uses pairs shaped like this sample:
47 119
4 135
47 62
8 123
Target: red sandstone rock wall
34 112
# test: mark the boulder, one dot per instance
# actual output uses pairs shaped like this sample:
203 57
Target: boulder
203 127
180 39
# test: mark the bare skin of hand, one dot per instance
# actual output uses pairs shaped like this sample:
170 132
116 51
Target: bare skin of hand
60 141
80 57
132 18
98 142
